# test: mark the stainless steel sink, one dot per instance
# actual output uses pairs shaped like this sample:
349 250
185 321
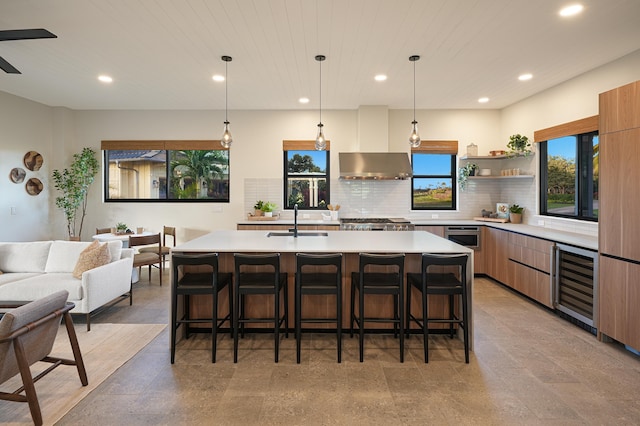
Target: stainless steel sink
300 234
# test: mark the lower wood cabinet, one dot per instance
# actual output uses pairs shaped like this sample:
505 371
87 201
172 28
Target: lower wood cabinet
619 288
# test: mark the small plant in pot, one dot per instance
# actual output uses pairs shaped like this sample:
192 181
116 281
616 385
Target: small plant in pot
268 208
464 172
518 146
121 228
515 213
257 208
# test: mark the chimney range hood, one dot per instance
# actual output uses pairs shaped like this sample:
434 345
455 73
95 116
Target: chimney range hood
375 165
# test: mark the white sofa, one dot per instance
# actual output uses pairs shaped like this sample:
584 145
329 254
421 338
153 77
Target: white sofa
32 270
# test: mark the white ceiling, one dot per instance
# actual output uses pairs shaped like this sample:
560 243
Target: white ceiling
162 53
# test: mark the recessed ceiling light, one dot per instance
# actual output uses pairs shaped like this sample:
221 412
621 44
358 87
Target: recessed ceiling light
105 78
483 100
218 77
303 100
572 10
525 77
380 77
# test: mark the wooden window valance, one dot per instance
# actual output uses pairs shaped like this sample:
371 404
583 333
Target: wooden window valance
578 127
302 145
172 145
437 147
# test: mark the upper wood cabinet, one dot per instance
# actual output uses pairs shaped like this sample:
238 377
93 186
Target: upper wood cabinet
620 109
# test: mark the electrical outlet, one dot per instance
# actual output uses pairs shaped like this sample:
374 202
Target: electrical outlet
216 209
305 215
13 211
435 216
540 222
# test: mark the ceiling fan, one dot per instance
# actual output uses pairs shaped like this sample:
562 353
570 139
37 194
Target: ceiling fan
8 35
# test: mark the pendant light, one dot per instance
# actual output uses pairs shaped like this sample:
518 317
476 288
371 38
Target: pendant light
321 142
226 140
414 137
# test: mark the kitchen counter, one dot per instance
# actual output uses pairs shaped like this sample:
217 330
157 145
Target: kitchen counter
572 238
350 243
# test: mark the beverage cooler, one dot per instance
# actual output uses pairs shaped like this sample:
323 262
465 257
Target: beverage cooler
575 278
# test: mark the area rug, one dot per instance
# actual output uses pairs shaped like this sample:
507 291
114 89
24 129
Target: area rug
104 349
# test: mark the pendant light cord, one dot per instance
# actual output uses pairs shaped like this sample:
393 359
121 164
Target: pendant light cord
414 90
320 91
226 89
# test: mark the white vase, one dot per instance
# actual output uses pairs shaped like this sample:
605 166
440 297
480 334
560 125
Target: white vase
268 214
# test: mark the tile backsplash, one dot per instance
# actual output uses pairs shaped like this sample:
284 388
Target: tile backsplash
392 198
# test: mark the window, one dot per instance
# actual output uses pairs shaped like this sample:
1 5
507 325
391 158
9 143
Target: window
433 185
306 175
182 171
569 174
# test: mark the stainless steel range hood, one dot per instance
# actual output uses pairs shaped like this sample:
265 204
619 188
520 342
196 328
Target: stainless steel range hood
375 165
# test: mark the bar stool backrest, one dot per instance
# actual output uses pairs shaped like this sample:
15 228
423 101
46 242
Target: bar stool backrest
316 264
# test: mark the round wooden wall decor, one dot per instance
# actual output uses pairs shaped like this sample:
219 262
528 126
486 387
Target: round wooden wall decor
17 174
34 186
33 160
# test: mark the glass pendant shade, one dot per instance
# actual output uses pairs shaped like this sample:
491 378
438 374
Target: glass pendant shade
321 142
226 139
414 137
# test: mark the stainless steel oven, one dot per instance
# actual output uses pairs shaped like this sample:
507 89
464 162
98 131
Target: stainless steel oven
468 236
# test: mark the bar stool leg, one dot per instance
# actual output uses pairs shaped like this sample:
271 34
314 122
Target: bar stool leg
361 322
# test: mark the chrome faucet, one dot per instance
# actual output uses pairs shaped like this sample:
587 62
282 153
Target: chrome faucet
295 221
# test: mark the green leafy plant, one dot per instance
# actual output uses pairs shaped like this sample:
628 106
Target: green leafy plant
121 227
268 206
464 172
516 209
518 145
258 205
74 183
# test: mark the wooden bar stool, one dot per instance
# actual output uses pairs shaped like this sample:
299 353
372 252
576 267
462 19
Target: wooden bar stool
318 274
440 283
379 274
188 283
249 280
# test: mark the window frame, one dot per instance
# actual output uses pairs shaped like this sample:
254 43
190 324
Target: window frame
304 145
449 148
167 147
584 131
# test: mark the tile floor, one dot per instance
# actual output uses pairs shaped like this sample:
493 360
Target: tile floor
529 367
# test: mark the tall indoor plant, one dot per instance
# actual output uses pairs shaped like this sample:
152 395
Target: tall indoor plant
74 183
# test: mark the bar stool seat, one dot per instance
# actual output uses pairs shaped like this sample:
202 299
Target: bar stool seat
318 274
192 282
440 283
250 281
378 274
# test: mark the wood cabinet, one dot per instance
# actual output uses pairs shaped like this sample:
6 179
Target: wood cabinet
619 316
530 267
619 227
496 247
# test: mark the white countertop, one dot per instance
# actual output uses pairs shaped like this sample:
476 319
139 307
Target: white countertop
336 241
580 240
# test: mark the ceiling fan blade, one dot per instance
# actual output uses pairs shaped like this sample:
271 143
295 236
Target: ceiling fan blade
31 34
7 67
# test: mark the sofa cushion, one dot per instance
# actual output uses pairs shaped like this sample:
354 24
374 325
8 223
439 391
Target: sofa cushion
115 248
42 285
94 255
24 257
16 276
64 255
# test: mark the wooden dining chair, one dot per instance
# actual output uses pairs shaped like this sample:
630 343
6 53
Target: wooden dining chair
148 258
103 231
165 249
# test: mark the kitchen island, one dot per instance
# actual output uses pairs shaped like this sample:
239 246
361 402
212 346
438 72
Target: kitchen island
349 243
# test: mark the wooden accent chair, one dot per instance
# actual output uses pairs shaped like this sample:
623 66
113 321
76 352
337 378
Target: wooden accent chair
103 231
27 333
148 258
165 249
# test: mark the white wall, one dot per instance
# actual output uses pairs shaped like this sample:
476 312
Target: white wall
57 133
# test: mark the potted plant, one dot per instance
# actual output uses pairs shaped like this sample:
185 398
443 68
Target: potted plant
121 228
464 172
74 184
268 208
257 208
515 213
518 146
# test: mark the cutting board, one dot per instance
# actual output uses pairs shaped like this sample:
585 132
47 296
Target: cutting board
491 219
252 217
